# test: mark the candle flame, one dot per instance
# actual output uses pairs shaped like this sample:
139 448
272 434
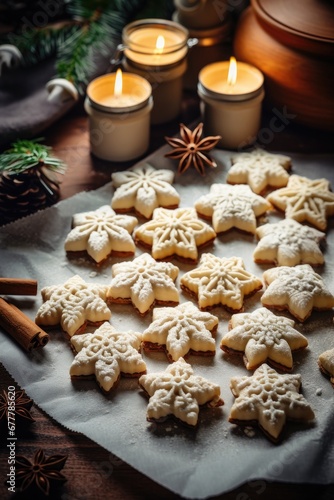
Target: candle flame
118 83
160 43
232 72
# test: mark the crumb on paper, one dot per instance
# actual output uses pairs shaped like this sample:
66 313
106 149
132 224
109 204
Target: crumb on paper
249 431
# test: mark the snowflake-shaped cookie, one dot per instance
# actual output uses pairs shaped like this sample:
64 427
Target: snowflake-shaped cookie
73 304
178 391
180 330
101 232
144 188
263 336
326 364
107 353
259 169
270 399
298 289
144 282
288 243
220 281
305 200
176 232
232 206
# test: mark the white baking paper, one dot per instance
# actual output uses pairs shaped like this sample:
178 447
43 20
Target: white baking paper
217 456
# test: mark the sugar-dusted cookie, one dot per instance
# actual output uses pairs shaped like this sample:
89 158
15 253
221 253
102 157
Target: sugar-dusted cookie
73 304
180 330
176 233
261 336
288 243
144 282
107 354
326 364
305 200
298 289
178 392
259 169
269 399
222 281
232 206
144 188
101 233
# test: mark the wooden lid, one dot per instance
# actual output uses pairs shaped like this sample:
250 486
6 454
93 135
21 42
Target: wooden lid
306 25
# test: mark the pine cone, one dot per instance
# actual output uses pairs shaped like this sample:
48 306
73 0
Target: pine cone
25 193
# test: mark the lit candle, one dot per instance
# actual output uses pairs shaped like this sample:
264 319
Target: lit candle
231 94
156 49
119 106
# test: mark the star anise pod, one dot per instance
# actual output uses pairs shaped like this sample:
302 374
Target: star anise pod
190 149
21 405
41 472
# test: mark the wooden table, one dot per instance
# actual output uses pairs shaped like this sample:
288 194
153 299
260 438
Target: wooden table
91 471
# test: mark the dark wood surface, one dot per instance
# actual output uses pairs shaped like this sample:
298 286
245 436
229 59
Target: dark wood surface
91 471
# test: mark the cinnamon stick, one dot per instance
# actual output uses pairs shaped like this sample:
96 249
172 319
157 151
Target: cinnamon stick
20 327
17 286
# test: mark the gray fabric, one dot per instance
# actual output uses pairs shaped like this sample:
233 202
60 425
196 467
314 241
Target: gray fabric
24 109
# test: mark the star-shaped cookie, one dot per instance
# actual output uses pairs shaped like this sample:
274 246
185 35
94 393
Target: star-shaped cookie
107 354
73 304
232 206
326 364
176 233
178 391
270 399
259 169
298 289
144 188
262 336
144 282
101 233
288 243
180 330
222 281
305 200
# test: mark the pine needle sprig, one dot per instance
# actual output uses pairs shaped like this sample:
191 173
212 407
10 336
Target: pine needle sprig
25 154
87 28
39 44
101 27
84 9
75 62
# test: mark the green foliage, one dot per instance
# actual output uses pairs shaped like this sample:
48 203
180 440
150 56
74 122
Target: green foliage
37 45
25 154
88 27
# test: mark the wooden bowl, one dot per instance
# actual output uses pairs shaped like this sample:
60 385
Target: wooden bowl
292 43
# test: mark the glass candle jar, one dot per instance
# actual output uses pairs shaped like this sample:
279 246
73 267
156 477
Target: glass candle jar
231 110
119 123
156 49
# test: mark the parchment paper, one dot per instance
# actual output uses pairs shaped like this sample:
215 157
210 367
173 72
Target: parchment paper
218 456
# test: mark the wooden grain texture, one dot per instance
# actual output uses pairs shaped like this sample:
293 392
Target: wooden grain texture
93 472
310 20
300 81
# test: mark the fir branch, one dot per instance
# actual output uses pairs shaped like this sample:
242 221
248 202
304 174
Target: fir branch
102 27
26 154
39 44
89 27
75 56
85 9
